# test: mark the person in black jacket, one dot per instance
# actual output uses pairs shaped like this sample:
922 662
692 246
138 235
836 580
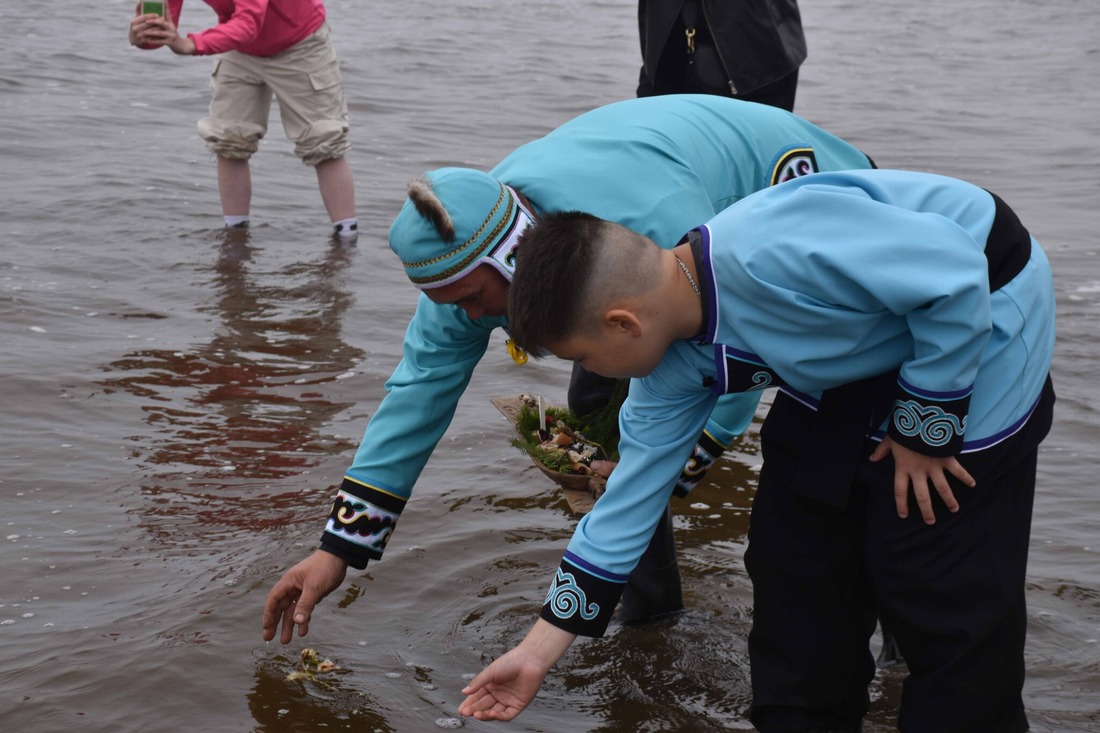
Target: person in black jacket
748 49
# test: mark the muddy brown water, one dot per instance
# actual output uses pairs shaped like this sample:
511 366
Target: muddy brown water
176 409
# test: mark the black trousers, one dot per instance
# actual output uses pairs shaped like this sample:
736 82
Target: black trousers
952 593
779 93
653 588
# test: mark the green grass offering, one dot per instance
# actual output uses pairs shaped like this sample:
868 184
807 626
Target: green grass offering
564 444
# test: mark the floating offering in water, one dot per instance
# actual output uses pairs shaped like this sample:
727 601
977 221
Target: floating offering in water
312 665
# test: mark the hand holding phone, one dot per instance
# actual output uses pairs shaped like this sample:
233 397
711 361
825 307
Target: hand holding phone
149 33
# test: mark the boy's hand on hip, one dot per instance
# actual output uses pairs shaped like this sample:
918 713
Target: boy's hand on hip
918 470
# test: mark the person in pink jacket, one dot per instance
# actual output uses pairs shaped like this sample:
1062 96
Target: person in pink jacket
267 47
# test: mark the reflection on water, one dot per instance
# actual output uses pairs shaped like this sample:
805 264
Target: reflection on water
169 428
228 418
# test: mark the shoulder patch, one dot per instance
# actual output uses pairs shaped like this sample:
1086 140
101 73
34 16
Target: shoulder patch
794 163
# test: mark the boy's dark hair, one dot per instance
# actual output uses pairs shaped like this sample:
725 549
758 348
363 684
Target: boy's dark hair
555 259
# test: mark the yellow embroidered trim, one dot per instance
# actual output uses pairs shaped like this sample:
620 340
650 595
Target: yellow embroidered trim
490 240
503 195
375 488
785 160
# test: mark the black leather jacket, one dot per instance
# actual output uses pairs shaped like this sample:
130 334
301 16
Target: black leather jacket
758 41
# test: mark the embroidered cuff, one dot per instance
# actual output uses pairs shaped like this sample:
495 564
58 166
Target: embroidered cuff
361 523
740 371
707 451
580 602
931 423
350 554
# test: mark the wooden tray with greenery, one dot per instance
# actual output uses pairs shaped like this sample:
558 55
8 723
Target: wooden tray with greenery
558 448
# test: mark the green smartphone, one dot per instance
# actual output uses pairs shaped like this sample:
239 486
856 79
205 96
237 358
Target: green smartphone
155 7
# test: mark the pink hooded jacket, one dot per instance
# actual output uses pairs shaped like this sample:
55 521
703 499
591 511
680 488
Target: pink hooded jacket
255 27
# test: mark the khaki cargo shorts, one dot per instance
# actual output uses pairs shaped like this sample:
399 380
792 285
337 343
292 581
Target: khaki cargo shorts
305 79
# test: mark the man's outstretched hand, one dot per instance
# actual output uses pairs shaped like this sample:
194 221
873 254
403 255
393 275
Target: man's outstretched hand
292 600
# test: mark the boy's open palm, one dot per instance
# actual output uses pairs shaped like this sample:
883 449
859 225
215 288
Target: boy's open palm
505 687
508 685
918 470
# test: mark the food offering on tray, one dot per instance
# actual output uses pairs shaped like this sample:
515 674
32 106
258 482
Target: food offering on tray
558 445
554 438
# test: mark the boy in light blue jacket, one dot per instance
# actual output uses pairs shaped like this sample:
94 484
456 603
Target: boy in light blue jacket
908 322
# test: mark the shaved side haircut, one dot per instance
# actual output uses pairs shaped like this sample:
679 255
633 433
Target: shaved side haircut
569 267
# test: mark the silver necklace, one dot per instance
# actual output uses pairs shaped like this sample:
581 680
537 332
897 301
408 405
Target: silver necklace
687 273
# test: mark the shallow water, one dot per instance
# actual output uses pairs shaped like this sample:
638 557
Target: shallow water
178 408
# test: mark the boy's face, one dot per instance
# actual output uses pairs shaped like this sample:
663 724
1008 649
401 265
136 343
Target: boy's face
618 351
484 292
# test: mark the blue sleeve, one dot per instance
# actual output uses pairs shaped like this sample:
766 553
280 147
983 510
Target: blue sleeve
941 289
659 423
880 293
732 416
442 346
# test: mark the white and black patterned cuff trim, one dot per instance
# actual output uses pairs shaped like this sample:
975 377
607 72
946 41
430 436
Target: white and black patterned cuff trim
361 523
707 452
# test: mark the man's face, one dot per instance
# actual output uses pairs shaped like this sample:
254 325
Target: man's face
484 292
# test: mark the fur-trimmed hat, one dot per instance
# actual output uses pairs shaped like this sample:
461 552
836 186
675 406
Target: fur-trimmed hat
453 220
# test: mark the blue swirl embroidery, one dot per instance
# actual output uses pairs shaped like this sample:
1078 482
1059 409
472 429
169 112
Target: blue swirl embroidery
567 599
761 380
934 425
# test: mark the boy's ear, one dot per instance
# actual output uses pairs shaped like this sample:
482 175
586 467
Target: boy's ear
623 320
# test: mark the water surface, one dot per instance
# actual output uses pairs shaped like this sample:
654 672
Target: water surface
178 409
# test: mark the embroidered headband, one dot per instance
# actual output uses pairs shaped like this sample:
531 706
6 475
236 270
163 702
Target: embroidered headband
453 220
